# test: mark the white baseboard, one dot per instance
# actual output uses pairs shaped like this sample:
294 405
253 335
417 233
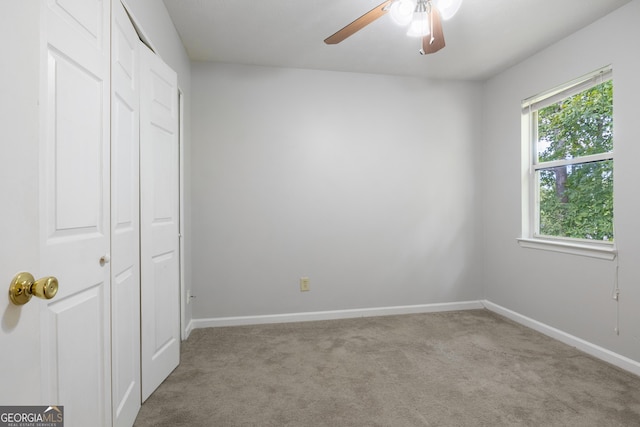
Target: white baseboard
585 346
332 315
187 330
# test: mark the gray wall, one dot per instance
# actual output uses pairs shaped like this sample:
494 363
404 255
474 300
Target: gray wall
365 183
391 191
568 292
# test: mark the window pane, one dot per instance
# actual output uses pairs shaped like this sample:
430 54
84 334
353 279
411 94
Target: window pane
577 126
577 201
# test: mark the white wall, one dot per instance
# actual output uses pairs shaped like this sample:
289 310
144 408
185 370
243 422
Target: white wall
568 292
364 183
154 21
19 238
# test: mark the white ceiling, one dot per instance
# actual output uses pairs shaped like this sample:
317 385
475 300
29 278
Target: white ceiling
484 38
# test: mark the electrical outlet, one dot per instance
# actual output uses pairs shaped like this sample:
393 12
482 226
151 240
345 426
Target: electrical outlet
304 284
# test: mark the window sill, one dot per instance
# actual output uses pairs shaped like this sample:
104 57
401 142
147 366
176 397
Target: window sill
606 252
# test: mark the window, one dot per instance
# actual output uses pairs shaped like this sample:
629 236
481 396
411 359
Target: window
568 161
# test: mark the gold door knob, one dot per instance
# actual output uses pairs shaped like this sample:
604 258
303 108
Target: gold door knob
24 286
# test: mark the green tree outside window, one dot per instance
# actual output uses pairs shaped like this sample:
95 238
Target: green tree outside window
576 200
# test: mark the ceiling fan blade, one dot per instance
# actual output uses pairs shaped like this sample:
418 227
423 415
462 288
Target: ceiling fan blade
434 41
358 24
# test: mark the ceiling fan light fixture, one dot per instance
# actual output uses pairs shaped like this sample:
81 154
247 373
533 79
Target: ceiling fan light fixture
401 11
447 8
425 21
419 26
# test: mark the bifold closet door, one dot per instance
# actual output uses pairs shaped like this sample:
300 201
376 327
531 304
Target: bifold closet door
159 220
125 219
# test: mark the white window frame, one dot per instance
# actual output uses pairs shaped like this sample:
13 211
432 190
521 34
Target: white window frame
530 166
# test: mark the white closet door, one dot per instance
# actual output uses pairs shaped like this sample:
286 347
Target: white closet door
125 219
159 221
74 208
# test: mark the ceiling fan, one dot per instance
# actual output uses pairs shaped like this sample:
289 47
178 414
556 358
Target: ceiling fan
424 18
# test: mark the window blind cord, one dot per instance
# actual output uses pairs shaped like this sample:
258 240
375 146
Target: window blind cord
615 295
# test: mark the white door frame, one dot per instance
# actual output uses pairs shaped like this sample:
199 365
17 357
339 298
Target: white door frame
184 298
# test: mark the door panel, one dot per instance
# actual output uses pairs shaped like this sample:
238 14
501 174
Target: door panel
84 16
86 362
74 208
159 221
125 219
76 94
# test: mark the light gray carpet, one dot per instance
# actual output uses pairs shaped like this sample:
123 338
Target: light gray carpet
469 368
